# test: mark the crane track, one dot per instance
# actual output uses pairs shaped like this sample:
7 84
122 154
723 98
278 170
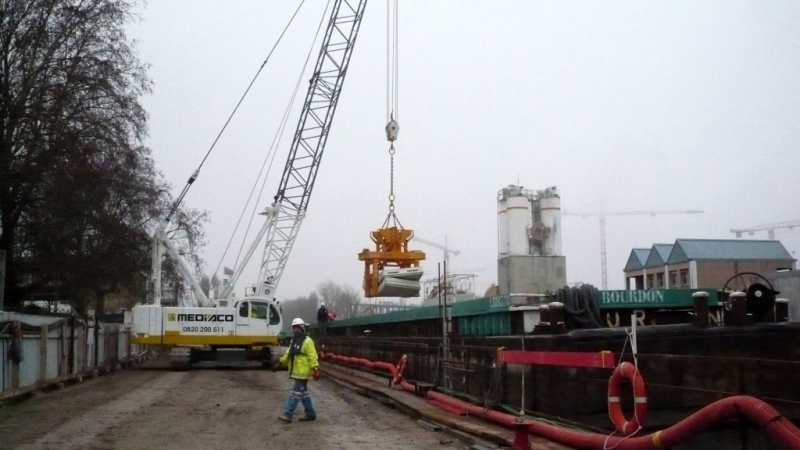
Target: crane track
180 358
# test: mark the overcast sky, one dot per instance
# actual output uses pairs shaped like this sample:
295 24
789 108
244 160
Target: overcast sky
622 105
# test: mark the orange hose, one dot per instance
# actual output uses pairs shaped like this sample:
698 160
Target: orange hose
755 410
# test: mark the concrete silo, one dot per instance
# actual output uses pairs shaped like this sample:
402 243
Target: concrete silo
529 241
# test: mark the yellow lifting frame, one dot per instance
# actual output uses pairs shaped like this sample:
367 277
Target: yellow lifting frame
391 250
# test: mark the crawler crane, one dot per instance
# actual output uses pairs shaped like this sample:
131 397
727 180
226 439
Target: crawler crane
238 329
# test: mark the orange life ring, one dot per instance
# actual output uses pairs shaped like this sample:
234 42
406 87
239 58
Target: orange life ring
625 426
401 367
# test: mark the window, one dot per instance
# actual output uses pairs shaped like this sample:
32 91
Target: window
660 279
244 309
649 281
259 311
673 278
684 277
274 315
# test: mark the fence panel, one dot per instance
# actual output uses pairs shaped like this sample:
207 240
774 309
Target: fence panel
64 338
53 353
5 365
29 366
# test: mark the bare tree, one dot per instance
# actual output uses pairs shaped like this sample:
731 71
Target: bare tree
205 284
340 299
79 193
302 307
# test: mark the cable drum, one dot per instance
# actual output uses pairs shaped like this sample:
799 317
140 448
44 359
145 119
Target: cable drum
581 306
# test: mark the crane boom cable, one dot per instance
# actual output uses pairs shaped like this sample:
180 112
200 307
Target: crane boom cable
213 144
392 100
396 61
388 63
276 141
392 61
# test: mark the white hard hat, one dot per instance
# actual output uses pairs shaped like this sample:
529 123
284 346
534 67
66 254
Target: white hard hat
298 322
322 304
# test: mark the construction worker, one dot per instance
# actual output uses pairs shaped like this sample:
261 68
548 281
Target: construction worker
303 364
322 317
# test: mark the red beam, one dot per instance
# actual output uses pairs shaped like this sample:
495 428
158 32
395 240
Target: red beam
603 359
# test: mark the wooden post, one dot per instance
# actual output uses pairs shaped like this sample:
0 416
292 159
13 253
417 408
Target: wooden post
106 345
82 350
14 374
71 353
115 348
101 336
63 365
14 364
43 353
700 309
128 335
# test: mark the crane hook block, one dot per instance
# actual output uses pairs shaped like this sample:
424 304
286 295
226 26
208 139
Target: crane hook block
392 128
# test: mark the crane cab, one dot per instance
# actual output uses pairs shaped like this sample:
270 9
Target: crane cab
258 317
392 270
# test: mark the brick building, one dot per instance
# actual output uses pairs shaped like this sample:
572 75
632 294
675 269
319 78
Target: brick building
703 263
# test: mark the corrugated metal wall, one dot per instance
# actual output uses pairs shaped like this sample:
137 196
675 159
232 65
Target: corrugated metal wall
59 335
493 324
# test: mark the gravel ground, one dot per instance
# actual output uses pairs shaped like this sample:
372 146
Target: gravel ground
150 407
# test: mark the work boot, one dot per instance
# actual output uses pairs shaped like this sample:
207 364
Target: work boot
307 418
283 418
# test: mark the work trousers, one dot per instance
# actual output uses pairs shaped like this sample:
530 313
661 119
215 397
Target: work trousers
299 394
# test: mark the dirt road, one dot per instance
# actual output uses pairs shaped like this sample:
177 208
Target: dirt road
150 407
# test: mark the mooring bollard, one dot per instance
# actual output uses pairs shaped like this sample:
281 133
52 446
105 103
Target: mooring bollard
522 437
557 317
780 310
738 302
700 309
794 310
544 316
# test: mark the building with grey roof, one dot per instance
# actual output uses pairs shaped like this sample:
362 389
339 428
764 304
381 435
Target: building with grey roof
704 263
634 268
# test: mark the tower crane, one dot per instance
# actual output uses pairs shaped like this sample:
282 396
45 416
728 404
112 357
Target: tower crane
447 250
602 217
233 329
770 228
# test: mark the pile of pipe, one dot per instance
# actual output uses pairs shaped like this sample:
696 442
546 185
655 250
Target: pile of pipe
581 306
396 282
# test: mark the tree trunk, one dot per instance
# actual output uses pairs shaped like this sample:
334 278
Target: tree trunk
12 298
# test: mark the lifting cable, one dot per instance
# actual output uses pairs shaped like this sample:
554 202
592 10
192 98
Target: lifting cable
194 175
392 99
276 140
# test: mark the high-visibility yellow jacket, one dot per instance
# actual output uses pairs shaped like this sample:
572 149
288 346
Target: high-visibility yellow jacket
303 363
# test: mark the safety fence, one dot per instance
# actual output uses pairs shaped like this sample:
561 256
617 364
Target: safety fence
36 351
